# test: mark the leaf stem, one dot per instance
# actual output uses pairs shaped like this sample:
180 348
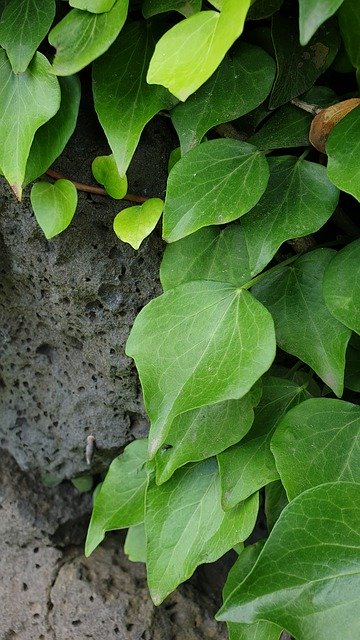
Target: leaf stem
262 275
305 106
89 188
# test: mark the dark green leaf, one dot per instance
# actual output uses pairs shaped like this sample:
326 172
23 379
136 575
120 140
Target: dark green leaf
262 9
186 526
352 369
214 183
342 286
294 297
288 127
94 6
186 7
54 205
349 21
275 502
343 149
314 13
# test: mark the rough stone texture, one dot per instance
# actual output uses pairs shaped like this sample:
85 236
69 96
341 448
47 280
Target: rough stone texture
50 591
66 309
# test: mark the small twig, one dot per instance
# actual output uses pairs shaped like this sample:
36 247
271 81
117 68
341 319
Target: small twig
228 130
305 106
89 188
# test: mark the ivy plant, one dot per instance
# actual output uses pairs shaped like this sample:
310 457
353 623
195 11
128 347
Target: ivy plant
249 361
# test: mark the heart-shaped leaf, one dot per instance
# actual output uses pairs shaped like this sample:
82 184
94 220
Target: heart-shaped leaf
306 578
105 171
185 7
54 205
342 286
232 345
186 526
343 148
314 13
134 224
94 6
217 182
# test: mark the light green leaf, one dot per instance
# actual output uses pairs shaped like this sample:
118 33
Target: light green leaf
307 577
23 25
188 54
349 21
299 200
250 465
314 13
240 84
185 7
213 343
343 149
202 433
342 286
54 205
259 630
298 67
135 543
134 224
211 253
94 6
121 500
317 442
51 139
105 172
27 101
186 526
275 502
214 183
295 299
82 36
123 100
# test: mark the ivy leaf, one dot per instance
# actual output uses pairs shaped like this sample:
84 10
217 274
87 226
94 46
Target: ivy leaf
214 183
124 101
305 579
135 543
299 200
317 442
27 101
275 502
240 84
82 36
54 205
262 9
121 500
342 286
134 224
23 25
186 526
349 21
294 297
94 6
185 7
249 465
261 630
211 253
298 67
232 345
343 148
105 172
195 435
312 14
51 138
188 54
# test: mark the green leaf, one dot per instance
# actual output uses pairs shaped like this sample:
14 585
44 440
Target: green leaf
135 543
186 526
342 286
352 369
214 183
343 148
317 442
123 100
298 67
299 200
349 21
54 205
23 25
105 172
261 9
250 465
202 433
188 54
211 253
134 224
240 84
259 630
185 7
295 299
27 101
51 139
83 483
94 6
314 13
82 36
212 344
306 578
121 500
275 502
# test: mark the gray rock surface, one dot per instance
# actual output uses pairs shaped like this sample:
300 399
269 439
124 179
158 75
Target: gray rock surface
66 309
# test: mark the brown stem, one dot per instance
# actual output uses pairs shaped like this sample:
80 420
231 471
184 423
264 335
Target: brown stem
305 106
89 188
